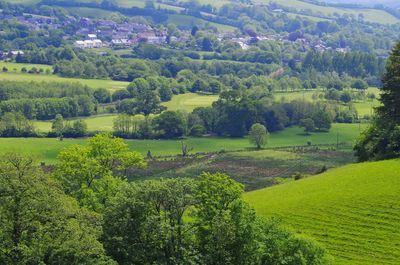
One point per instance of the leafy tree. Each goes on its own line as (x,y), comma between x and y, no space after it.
(199,85)
(102,95)
(145,223)
(359,84)
(170,124)
(345,97)
(77,129)
(165,93)
(258,135)
(40,224)
(57,126)
(322,120)
(226,225)
(308,124)
(207,44)
(16,125)
(381,140)
(86,172)
(120,95)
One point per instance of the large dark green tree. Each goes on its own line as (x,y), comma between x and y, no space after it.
(382,139)
(39,223)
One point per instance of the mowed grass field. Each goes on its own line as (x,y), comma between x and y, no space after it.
(46,149)
(189,101)
(14,74)
(354,211)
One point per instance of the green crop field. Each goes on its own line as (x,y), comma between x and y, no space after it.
(190,101)
(46,149)
(354,211)
(18,76)
(371,15)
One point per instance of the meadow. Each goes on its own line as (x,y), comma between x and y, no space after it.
(46,149)
(189,101)
(189,22)
(354,211)
(14,74)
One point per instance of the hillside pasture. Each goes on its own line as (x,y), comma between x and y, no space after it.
(189,22)
(93,83)
(370,15)
(354,211)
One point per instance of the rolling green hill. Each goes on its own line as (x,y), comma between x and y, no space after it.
(371,15)
(354,211)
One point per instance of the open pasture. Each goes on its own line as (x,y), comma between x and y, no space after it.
(47,149)
(188,22)
(190,101)
(354,211)
(370,15)
(93,83)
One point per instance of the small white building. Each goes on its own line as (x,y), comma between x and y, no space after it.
(92,36)
(79,44)
(88,44)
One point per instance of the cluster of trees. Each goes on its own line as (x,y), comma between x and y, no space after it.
(23,89)
(16,125)
(355,64)
(85,212)
(233,115)
(48,108)
(61,128)
(381,140)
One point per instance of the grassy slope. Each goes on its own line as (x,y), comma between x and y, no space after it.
(354,211)
(16,75)
(189,22)
(371,15)
(47,149)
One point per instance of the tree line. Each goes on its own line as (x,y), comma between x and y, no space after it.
(233,115)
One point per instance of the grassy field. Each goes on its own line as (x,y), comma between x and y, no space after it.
(93,83)
(16,67)
(371,15)
(46,149)
(190,101)
(354,211)
(189,22)
(91,12)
